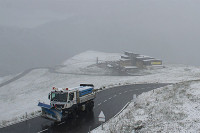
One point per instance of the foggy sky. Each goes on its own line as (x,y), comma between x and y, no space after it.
(37,33)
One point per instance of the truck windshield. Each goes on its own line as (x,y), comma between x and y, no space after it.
(58,96)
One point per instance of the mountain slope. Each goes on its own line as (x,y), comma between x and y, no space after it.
(36,85)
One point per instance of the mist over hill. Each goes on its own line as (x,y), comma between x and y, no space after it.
(45,33)
(22,49)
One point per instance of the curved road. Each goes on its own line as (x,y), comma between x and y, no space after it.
(110,101)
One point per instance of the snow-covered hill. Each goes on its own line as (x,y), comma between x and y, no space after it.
(22,95)
(81,63)
(171,109)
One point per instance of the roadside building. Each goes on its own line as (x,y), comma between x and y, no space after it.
(152,62)
(140,61)
(131,63)
(125,62)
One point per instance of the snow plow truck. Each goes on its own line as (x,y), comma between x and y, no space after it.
(67,102)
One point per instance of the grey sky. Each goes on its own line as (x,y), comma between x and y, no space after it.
(46,32)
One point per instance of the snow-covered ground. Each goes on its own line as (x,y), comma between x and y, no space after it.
(6,78)
(22,95)
(81,63)
(171,109)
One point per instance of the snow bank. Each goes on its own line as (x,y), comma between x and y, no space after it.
(174,108)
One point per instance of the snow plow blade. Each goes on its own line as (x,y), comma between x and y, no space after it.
(50,113)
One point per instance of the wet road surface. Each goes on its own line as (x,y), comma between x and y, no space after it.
(110,101)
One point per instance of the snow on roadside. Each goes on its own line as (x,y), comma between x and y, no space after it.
(22,95)
(18,97)
(174,109)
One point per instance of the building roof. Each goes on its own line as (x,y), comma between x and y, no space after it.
(152,60)
(143,56)
(125,59)
(130,67)
(124,55)
(128,52)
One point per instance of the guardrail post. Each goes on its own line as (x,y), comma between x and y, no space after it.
(134,97)
(102,125)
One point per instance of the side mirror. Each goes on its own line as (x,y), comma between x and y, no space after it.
(49,96)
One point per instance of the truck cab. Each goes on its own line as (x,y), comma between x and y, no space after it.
(62,98)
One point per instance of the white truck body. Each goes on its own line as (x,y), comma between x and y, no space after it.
(67,101)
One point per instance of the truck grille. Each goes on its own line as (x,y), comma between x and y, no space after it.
(59,106)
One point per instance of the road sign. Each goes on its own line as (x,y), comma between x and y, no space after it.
(102,117)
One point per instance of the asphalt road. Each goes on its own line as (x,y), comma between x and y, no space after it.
(110,101)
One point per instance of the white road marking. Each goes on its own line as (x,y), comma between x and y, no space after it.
(114,95)
(105,101)
(61,123)
(43,130)
(110,98)
(99,104)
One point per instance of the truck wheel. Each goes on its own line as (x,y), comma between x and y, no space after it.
(74,114)
(90,106)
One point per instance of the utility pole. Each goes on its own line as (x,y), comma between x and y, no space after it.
(97,61)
